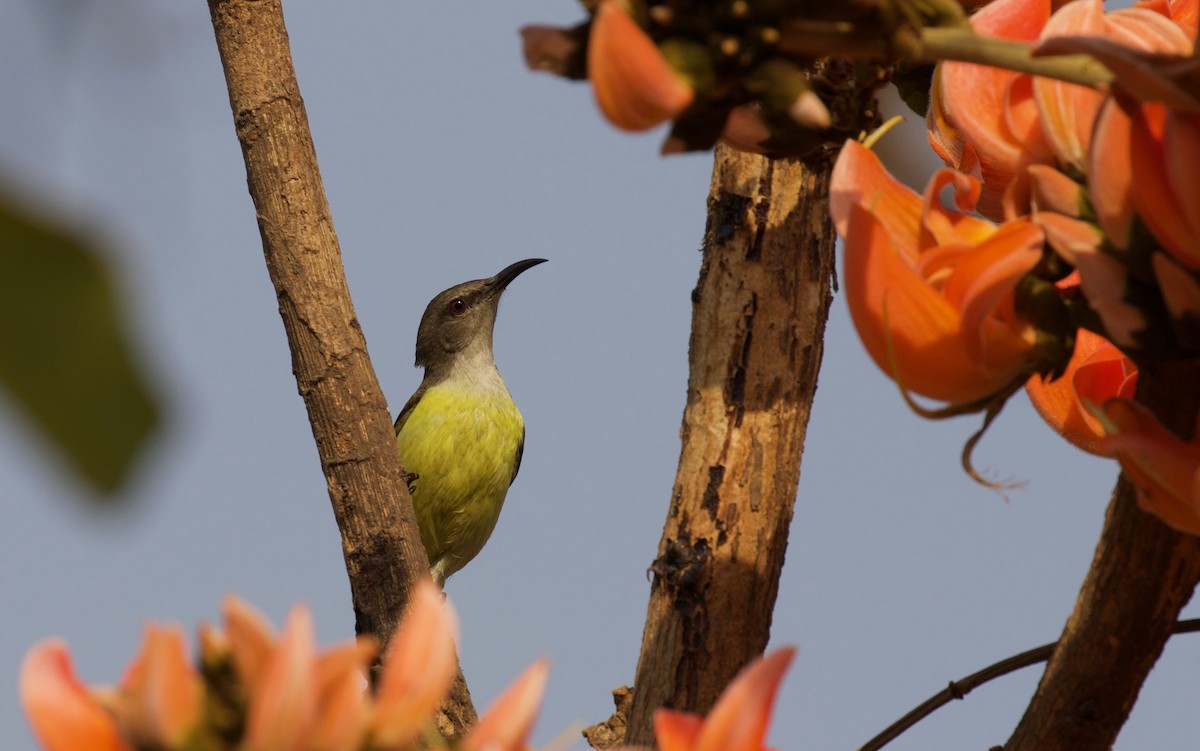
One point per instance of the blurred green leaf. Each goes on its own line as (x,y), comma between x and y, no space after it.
(65,358)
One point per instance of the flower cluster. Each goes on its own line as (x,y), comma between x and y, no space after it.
(1070,253)
(256,690)
(737,71)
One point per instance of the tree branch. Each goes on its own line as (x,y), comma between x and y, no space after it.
(759,314)
(347,410)
(960,688)
(1142,575)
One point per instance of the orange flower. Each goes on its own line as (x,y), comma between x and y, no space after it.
(64,716)
(989,114)
(1097,372)
(295,697)
(1006,121)
(160,699)
(417,671)
(635,87)
(928,286)
(738,721)
(1068,111)
(1152,64)
(507,723)
(1165,469)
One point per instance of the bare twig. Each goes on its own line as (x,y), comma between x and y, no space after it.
(960,688)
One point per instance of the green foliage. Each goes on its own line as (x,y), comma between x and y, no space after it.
(65,357)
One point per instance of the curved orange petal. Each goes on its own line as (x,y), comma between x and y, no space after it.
(1068,110)
(418,668)
(739,719)
(63,715)
(981,283)
(341,690)
(942,226)
(1110,172)
(165,694)
(250,637)
(634,85)
(283,706)
(1165,469)
(1180,290)
(507,722)
(1097,372)
(947,141)
(993,109)
(860,179)
(1156,199)
(922,328)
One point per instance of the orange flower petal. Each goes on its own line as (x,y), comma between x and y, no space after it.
(1180,290)
(739,720)
(283,706)
(418,668)
(981,282)
(341,689)
(63,715)
(1069,110)
(634,85)
(1165,469)
(676,731)
(1156,200)
(251,639)
(993,109)
(1110,173)
(164,695)
(860,179)
(1097,372)
(507,722)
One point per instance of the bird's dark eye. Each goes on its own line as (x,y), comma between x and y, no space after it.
(457,306)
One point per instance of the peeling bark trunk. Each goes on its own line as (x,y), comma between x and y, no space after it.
(759,313)
(1142,575)
(346,408)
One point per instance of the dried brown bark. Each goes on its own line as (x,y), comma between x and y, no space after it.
(759,313)
(1142,575)
(346,407)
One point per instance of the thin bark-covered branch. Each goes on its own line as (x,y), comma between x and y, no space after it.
(1142,575)
(346,407)
(958,690)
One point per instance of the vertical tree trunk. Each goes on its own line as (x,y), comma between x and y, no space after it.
(1142,575)
(349,416)
(759,312)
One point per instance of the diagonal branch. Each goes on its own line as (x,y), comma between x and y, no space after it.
(347,410)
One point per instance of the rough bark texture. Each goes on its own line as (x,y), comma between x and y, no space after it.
(347,409)
(1142,575)
(759,313)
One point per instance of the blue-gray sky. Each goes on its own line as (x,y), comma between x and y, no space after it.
(445,160)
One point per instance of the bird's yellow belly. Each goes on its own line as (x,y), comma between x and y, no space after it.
(463,446)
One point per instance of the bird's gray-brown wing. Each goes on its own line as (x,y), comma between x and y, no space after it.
(520,453)
(408,407)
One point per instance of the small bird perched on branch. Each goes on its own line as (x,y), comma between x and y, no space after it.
(460,435)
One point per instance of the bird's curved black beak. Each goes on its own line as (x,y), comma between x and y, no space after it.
(502,280)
